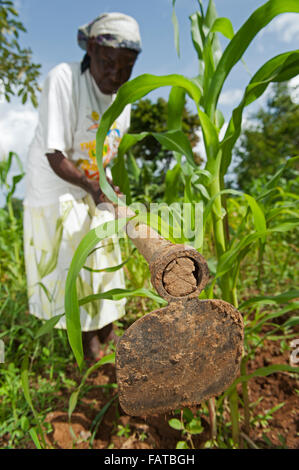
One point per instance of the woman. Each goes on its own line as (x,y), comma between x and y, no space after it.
(62,188)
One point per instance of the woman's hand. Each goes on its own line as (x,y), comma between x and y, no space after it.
(66,170)
(116,188)
(97,194)
(94,190)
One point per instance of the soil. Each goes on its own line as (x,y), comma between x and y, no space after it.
(119,431)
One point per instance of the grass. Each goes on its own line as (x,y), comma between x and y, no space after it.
(52,372)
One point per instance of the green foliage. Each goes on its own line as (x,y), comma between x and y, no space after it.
(206,186)
(153,117)
(190,425)
(269,141)
(246,237)
(152,158)
(18,74)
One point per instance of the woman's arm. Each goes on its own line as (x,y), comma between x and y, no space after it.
(66,170)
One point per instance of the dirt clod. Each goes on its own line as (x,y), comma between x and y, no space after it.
(179,277)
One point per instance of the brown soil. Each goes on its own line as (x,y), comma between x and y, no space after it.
(179,279)
(155,433)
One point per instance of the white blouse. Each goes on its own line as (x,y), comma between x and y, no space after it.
(70,110)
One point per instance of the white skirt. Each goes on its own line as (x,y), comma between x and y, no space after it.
(51,235)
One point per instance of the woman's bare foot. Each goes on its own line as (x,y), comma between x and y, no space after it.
(95,343)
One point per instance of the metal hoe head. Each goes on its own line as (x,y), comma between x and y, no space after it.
(182,354)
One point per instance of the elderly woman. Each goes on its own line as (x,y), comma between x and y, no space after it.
(62,189)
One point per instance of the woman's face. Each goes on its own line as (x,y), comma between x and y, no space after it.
(110,67)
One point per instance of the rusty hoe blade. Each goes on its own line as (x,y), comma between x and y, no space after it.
(182,354)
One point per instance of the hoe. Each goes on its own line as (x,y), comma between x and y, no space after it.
(186,352)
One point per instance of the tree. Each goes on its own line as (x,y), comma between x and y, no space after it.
(153,160)
(152,117)
(268,142)
(18,74)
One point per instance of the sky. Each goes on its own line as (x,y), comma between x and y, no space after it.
(52,36)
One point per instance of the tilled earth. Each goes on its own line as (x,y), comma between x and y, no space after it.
(155,433)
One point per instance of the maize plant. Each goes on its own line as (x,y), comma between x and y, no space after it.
(201,185)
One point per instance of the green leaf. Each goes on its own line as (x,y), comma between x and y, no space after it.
(279,68)
(223,26)
(267,318)
(98,419)
(34,437)
(210,136)
(176,424)
(129,140)
(177,141)
(195,426)
(262,372)
(197,35)
(109,359)
(176,29)
(71,299)
(129,93)
(73,402)
(188,415)
(172,183)
(174,140)
(294,321)
(24,421)
(182,445)
(258,214)
(211,14)
(25,382)
(48,326)
(274,299)
(132,166)
(117,294)
(240,42)
(110,269)
(24,98)
(176,103)
(120,176)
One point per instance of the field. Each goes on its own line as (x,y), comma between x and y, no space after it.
(97,420)
(246,229)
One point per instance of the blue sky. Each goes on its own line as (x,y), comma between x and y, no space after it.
(52,29)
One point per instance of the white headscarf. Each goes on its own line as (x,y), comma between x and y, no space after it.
(111,29)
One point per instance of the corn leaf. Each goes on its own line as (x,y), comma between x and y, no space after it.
(279,68)
(120,177)
(175,108)
(172,183)
(117,294)
(174,140)
(34,437)
(289,308)
(261,372)
(240,42)
(111,269)
(48,326)
(129,93)
(271,299)
(71,304)
(109,359)
(176,29)
(223,26)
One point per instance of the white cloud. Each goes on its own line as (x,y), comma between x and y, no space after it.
(17,126)
(286,26)
(293,84)
(230,97)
